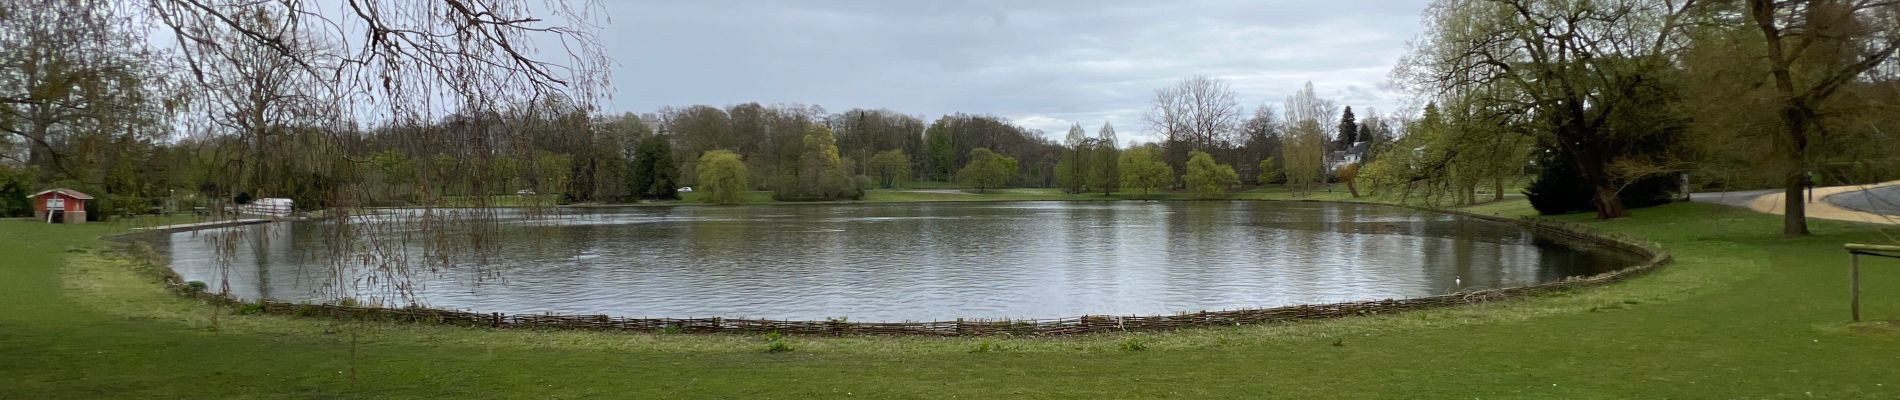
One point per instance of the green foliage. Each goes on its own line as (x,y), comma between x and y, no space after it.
(550,173)
(1348,129)
(778,346)
(1208,179)
(1133,343)
(654,175)
(889,167)
(1104,165)
(941,151)
(1077,156)
(722,175)
(15,185)
(986,170)
(1143,169)
(775,343)
(1066,173)
(821,175)
(1269,172)
(986,346)
(1304,150)
(1559,189)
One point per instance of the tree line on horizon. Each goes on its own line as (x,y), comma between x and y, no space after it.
(1605,105)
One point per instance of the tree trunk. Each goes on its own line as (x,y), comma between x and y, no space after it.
(1794,216)
(1609,206)
(1497,189)
(1795,115)
(1350,187)
(1794,211)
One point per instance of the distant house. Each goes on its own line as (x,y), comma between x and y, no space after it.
(60,206)
(1348,156)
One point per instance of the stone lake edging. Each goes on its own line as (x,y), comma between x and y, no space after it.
(1655,257)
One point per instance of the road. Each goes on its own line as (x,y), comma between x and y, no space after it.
(1883,200)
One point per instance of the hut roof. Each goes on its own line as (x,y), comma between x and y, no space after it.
(68,192)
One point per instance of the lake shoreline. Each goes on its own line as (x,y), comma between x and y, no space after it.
(1725,258)
(591,320)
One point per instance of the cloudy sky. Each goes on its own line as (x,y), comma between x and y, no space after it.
(1041,64)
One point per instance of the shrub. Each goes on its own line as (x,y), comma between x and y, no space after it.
(775,343)
(1134,344)
(15,184)
(1560,189)
(986,346)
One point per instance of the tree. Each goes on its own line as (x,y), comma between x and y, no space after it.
(889,167)
(1349,175)
(1813,50)
(1142,168)
(1572,66)
(951,138)
(1305,149)
(821,174)
(1073,170)
(1208,179)
(1268,171)
(1375,131)
(1195,113)
(722,176)
(986,170)
(941,153)
(1262,140)
(654,175)
(1104,171)
(80,100)
(1348,129)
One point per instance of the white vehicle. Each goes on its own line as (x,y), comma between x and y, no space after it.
(686,189)
(524,192)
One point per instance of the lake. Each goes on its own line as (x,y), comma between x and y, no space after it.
(887,262)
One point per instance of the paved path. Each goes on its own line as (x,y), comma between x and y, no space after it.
(1826,207)
(1883,200)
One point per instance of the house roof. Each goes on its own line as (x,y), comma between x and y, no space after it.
(68,192)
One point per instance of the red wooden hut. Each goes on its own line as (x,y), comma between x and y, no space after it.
(60,205)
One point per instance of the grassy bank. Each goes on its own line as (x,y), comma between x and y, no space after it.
(1742,313)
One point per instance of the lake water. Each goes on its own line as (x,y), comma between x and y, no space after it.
(892,262)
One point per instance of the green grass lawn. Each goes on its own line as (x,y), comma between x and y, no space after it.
(1743,313)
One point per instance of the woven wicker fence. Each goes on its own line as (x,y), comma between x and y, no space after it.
(974,327)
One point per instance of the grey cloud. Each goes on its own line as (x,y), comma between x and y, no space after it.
(1042,64)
